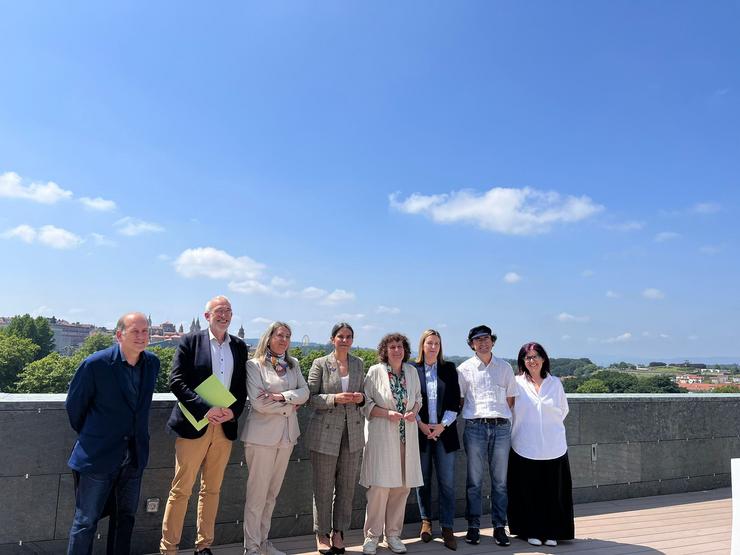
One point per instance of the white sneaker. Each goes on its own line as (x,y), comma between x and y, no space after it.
(370,545)
(267,548)
(395,544)
(551,543)
(534,541)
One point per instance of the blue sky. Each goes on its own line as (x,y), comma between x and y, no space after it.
(566,172)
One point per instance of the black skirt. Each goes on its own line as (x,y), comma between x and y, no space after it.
(540,498)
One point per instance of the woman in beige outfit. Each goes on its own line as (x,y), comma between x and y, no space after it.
(276,388)
(390,463)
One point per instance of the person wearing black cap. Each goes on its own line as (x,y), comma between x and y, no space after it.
(487,390)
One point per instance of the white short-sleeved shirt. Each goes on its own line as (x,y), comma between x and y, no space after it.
(538,431)
(485,387)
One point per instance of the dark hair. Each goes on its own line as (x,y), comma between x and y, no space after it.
(540,350)
(390,338)
(339,326)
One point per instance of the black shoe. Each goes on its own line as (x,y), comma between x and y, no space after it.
(205,551)
(500,537)
(473,536)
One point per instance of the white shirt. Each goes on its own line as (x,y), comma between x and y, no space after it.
(485,387)
(222,361)
(538,431)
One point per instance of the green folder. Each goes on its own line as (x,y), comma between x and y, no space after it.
(213,392)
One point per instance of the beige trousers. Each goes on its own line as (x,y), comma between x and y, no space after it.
(386,507)
(208,454)
(267,466)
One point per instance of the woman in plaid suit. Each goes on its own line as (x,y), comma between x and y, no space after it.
(336,438)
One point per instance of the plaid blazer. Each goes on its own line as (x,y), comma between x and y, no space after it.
(329,420)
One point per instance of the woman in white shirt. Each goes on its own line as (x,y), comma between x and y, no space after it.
(276,388)
(539,482)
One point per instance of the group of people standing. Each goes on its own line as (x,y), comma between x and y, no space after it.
(399,419)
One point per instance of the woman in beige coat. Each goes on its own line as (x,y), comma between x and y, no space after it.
(390,463)
(276,388)
(336,437)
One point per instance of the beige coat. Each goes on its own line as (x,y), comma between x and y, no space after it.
(267,420)
(329,419)
(381,460)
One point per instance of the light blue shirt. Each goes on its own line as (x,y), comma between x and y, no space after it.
(430,374)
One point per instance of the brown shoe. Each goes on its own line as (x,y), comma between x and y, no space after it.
(426,531)
(448,536)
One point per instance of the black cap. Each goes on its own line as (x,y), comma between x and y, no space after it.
(480,331)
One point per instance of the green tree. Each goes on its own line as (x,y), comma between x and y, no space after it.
(165,355)
(50,374)
(36,329)
(658,384)
(571,384)
(307,360)
(727,389)
(94,343)
(593,385)
(368,356)
(617,382)
(15,353)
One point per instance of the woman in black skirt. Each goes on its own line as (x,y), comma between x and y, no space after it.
(539,483)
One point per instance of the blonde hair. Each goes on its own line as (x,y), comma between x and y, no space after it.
(420,354)
(260,353)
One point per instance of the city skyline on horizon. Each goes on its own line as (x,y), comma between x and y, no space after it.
(564,174)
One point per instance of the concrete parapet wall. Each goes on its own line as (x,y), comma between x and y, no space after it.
(619,446)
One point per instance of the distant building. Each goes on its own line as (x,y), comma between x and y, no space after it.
(68,336)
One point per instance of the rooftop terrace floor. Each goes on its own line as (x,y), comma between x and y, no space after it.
(680,524)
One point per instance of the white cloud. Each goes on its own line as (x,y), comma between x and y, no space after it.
(502,210)
(666,236)
(710,249)
(98,204)
(216,264)
(101,240)
(163,257)
(11,186)
(313,293)
(133,226)
(664,336)
(346,316)
(43,310)
(49,235)
(588,273)
(369,327)
(653,294)
(245,275)
(693,337)
(620,338)
(566,317)
(565,337)
(338,296)
(630,225)
(706,208)
(261,320)
(280,282)
(24,232)
(512,277)
(58,238)
(612,294)
(387,310)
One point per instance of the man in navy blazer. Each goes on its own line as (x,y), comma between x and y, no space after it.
(108,406)
(212,352)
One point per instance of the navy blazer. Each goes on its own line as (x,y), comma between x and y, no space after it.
(448,398)
(190,366)
(106,413)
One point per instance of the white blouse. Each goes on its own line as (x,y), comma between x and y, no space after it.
(538,432)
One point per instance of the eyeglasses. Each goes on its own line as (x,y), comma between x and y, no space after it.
(532,358)
(221,311)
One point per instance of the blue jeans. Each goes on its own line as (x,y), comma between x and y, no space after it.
(91,496)
(445,464)
(486,443)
